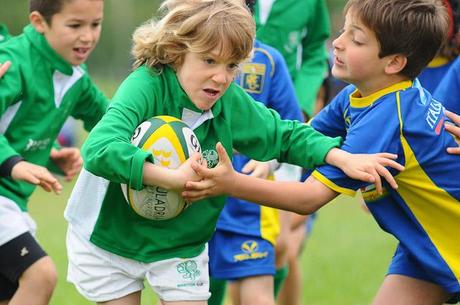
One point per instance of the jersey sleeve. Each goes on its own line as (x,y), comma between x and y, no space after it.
(260,134)
(108,151)
(334,119)
(378,131)
(10,99)
(448,90)
(91,106)
(282,97)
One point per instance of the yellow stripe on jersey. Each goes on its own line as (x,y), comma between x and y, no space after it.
(332,185)
(430,205)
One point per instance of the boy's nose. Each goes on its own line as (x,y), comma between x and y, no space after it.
(337,43)
(87,35)
(222,77)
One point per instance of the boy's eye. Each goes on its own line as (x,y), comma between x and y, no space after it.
(209,61)
(233,66)
(357,42)
(74,25)
(95,24)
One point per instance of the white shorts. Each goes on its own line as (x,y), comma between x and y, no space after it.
(13,221)
(102,276)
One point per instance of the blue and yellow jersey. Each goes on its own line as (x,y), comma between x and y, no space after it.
(266,78)
(448,90)
(424,212)
(432,75)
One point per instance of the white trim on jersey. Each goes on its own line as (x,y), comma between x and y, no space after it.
(62,83)
(8,116)
(85,202)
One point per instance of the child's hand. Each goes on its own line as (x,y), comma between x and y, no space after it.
(4,67)
(454,130)
(185,172)
(69,160)
(257,169)
(367,167)
(215,181)
(35,174)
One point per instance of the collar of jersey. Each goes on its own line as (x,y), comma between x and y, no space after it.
(41,45)
(180,95)
(357,101)
(438,61)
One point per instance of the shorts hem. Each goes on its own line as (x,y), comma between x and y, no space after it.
(103,298)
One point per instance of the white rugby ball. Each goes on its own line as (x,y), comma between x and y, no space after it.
(171,142)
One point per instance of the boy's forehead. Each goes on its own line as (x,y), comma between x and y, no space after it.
(353,19)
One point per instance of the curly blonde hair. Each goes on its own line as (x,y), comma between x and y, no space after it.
(198,26)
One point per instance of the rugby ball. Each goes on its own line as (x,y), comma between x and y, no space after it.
(171,142)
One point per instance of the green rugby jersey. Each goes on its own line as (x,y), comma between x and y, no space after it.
(302,41)
(37,94)
(97,209)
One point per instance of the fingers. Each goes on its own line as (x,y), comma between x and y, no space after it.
(454,150)
(195,191)
(4,67)
(248,167)
(198,185)
(385,173)
(200,169)
(223,157)
(48,182)
(387,159)
(454,117)
(453,130)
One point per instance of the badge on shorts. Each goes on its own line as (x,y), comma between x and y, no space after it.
(188,270)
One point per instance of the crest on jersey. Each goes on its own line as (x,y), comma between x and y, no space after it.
(253,77)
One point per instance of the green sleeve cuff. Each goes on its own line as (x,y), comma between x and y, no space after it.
(137,165)
(324,149)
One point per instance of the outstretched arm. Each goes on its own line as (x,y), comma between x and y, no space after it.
(302,198)
(454,130)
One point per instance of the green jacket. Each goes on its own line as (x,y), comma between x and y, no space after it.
(299,30)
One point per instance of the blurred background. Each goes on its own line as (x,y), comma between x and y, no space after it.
(345,259)
(110,61)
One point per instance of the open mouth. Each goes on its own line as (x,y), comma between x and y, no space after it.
(338,61)
(81,52)
(211,92)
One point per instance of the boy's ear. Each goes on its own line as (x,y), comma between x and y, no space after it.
(38,22)
(396,63)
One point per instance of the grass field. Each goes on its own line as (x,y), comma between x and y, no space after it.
(344,261)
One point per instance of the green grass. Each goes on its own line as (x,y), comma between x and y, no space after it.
(344,261)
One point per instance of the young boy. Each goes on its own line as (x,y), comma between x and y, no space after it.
(184,67)
(44,85)
(383,47)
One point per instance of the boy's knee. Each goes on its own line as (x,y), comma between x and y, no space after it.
(40,276)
